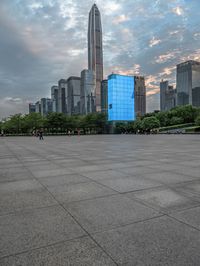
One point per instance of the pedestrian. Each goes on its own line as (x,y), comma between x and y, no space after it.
(41,135)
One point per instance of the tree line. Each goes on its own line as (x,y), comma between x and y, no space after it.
(59,123)
(54,123)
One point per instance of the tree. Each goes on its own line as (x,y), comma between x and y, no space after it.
(56,121)
(197,121)
(150,123)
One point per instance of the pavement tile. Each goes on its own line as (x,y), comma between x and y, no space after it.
(127,184)
(63,180)
(23,194)
(51,172)
(164,199)
(80,191)
(159,241)
(79,252)
(190,216)
(36,228)
(108,212)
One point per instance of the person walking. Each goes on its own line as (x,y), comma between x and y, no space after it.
(41,135)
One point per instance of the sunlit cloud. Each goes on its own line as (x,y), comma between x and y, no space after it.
(120,19)
(154,41)
(178,11)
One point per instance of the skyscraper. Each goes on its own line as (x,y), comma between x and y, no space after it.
(104,96)
(95,51)
(121,98)
(54,98)
(87,92)
(188,83)
(73,95)
(46,106)
(62,91)
(167,96)
(140,96)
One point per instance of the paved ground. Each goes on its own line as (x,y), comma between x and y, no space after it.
(100,200)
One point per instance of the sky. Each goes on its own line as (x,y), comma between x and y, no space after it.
(42,41)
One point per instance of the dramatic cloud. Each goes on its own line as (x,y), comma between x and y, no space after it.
(42,41)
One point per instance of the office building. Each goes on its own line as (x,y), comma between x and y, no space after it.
(104,96)
(87,94)
(62,96)
(95,51)
(140,96)
(31,108)
(121,98)
(38,107)
(188,83)
(73,95)
(46,106)
(167,96)
(54,98)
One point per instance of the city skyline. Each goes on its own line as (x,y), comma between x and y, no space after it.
(33,58)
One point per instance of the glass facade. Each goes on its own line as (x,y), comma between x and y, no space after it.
(87,104)
(121,98)
(95,51)
(104,96)
(188,83)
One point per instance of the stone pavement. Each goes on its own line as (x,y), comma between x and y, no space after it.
(100,200)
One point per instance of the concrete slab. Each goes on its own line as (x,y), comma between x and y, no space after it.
(164,199)
(80,191)
(36,228)
(108,212)
(160,241)
(77,252)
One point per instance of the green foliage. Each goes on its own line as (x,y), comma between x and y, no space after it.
(149,123)
(176,127)
(54,123)
(197,121)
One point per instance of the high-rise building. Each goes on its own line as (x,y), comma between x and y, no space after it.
(87,94)
(140,96)
(46,106)
(104,96)
(31,108)
(95,51)
(38,107)
(121,98)
(62,96)
(54,98)
(167,96)
(188,83)
(73,95)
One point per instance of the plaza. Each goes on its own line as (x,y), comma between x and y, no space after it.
(100,200)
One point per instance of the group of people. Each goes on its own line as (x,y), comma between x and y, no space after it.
(39,134)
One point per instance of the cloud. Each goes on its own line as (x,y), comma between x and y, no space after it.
(10,106)
(154,42)
(178,11)
(45,40)
(120,19)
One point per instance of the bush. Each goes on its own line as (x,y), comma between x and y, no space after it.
(197,121)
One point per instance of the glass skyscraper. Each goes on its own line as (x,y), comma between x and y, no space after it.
(188,83)
(87,104)
(121,98)
(140,96)
(104,96)
(73,95)
(95,51)
(167,96)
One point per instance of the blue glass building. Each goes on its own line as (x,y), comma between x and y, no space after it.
(120,98)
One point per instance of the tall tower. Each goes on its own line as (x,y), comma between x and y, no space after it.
(95,51)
